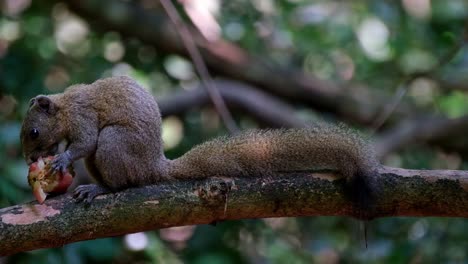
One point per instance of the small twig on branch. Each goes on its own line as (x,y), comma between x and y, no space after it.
(200,66)
(61,221)
(387,111)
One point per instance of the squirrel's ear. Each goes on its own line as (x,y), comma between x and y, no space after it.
(46,104)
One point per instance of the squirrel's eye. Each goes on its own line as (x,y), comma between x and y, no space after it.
(31,102)
(34,133)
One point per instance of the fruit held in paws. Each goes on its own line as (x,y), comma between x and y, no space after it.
(44,181)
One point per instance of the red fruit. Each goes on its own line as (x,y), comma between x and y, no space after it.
(65,180)
(44,183)
(39,192)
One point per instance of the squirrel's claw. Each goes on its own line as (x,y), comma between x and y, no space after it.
(61,162)
(88,192)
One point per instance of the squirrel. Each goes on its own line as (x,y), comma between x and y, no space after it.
(115,125)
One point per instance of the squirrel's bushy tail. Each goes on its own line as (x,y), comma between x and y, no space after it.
(266,152)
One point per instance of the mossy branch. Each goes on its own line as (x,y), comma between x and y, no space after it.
(61,221)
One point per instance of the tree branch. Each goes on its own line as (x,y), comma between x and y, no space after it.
(264,107)
(449,85)
(441,131)
(61,221)
(274,112)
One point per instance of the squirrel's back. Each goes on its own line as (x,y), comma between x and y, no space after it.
(116,100)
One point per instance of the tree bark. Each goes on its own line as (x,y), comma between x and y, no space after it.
(61,221)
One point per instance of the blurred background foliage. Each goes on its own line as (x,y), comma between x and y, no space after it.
(377,45)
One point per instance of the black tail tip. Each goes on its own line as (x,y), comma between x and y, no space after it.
(362,191)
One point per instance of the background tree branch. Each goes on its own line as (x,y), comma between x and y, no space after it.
(60,220)
(231,61)
(439,131)
(352,103)
(274,112)
(265,108)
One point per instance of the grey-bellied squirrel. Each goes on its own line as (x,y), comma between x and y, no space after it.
(115,125)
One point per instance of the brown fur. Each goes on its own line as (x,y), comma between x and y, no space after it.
(265,152)
(115,125)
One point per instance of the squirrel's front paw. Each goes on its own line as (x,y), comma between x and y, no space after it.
(61,162)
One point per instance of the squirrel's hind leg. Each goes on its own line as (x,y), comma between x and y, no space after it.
(88,192)
(111,165)
(122,157)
